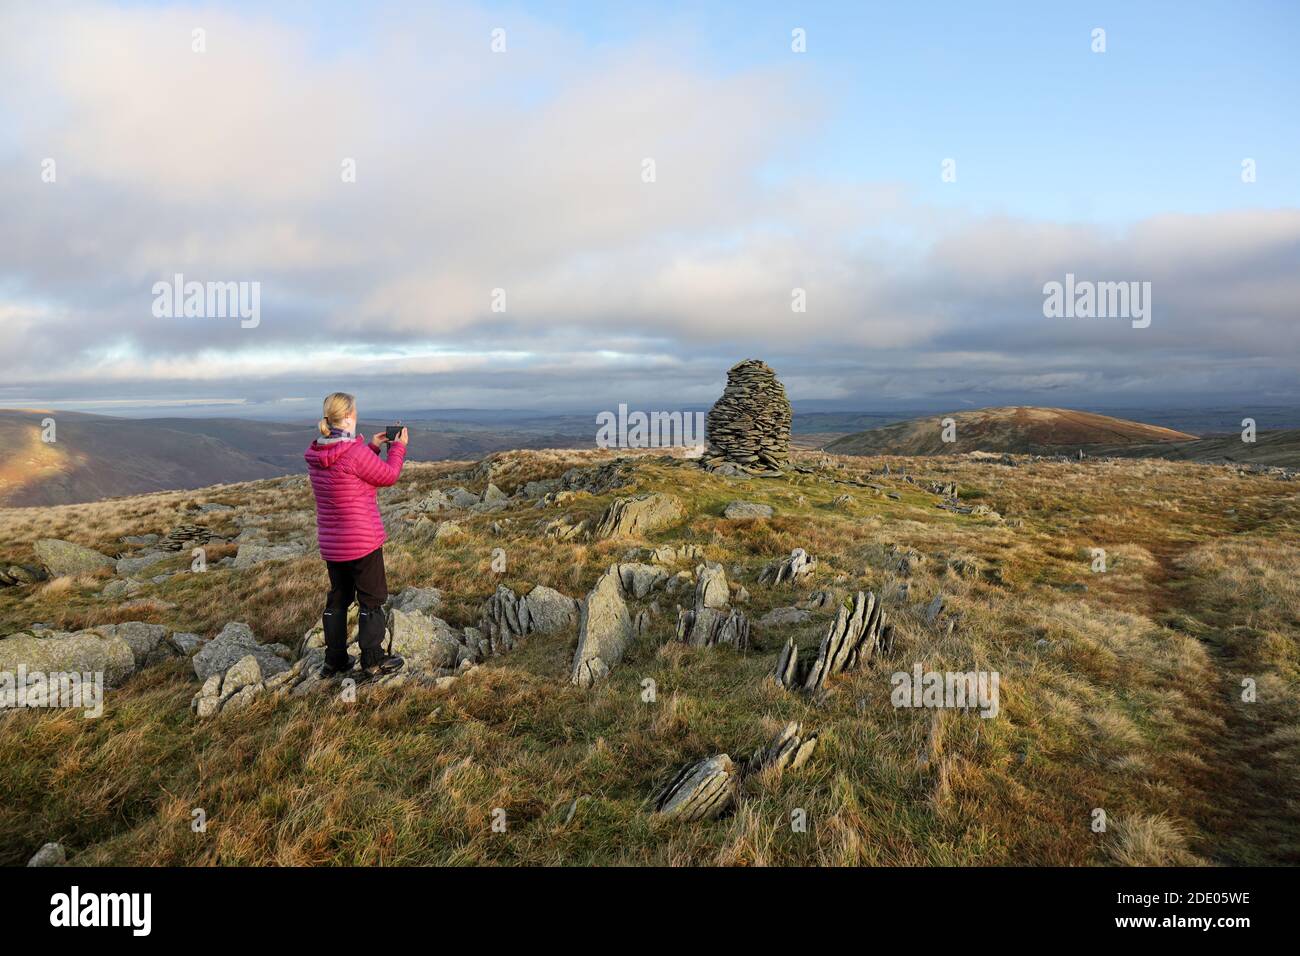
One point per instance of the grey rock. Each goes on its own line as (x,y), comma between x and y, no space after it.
(639,580)
(709,627)
(784,617)
(788,570)
(115,590)
(788,750)
(251,553)
(64,557)
(235,641)
(137,563)
(187,643)
(549,611)
(740,510)
(447,529)
(84,652)
(425,600)
(853,637)
(604,631)
(426,642)
(711,589)
(461,498)
(667,554)
(934,610)
(243,672)
(638,515)
(147,641)
(700,791)
(51,854)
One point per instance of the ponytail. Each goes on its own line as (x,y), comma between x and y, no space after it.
(337,406)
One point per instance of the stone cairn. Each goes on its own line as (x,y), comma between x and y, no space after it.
(748,428)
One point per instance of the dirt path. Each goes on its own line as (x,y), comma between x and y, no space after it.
(1240,811)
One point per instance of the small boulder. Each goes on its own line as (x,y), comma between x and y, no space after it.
(638,515)
(701,791)
(604,630)
(51,854)
(243,672)
(741,510)
(236,641)
(64,557)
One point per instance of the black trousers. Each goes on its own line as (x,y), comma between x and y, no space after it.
(361,580)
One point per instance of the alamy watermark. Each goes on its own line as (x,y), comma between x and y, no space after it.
(953,690)
(69,690)
(208,300)
(1085,299)
(649,430)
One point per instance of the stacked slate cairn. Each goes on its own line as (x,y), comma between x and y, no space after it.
(748,428)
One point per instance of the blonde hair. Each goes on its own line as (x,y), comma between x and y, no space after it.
(338,406)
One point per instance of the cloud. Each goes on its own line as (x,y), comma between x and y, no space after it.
(523,171)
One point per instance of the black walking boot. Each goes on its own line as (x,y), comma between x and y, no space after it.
(337,659)
(375,661)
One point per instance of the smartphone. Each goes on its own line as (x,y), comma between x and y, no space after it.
(392,431)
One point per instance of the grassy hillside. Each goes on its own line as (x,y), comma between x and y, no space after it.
(1019,429)
(101,456)
(1119,690)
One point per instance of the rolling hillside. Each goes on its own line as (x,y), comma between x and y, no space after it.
(1018,429)
(101,456)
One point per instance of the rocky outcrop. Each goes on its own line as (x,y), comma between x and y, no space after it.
(148,642)
(700,791)
(708,627)
(61,558)
(507,617)
(711,588)
(424,600)
(788,570)
(711,622)
(79,652)
(17,575)
(638,515)
(670,554)
(605,630)
(428,643)
(851,640)
(638,580)
(233,643)
(788,750)
(708,788)
(749,426)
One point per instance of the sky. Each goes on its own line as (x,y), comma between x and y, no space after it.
(618,202)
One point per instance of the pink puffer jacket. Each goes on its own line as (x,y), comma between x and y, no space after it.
(344,476)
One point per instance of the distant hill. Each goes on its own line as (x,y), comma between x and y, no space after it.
(1018,429)
(101,456)
(1279,448)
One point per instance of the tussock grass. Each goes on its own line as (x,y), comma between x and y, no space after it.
(1119,691)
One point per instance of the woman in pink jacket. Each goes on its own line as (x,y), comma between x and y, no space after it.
(345,471)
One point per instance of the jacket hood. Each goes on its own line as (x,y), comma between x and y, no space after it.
(323,455)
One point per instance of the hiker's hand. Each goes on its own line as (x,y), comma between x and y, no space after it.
(402,436)
(378,440)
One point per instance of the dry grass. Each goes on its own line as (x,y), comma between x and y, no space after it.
(1118,691)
